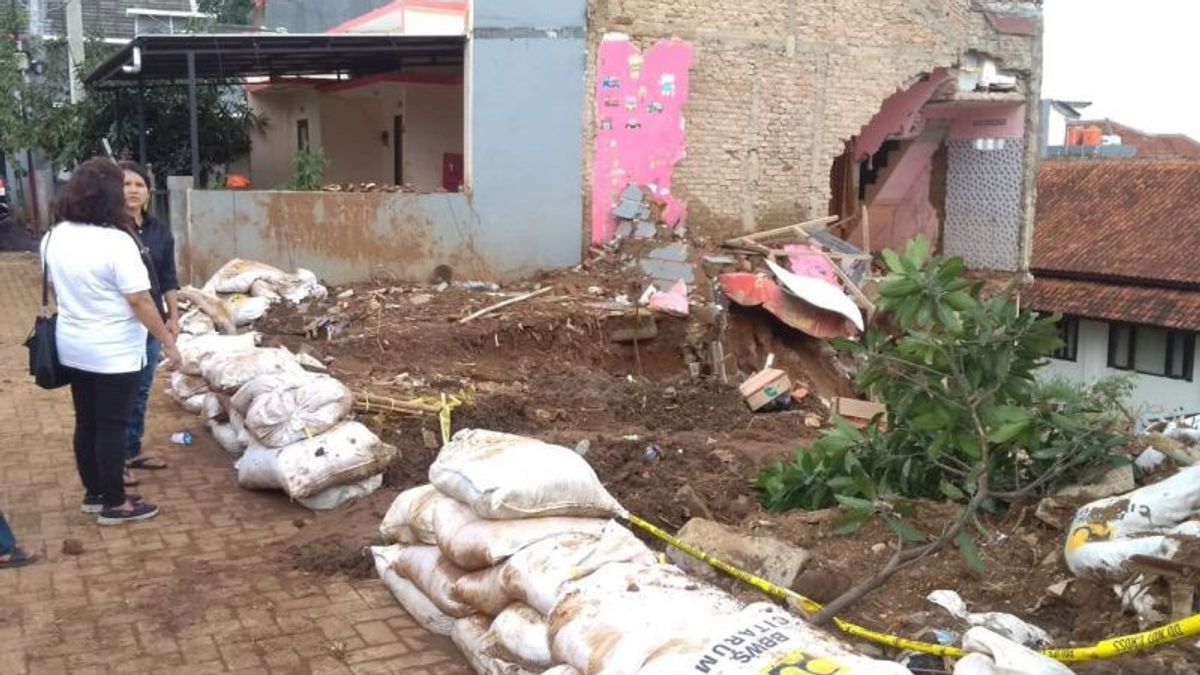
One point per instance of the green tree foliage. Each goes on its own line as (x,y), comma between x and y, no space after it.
(230,12)
(964,409)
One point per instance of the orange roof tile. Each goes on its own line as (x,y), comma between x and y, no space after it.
(1164,307)
(1131,220)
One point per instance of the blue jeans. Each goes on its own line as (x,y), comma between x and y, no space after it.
(8,541)
(137,420)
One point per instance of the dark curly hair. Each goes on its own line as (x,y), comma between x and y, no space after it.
(95,195)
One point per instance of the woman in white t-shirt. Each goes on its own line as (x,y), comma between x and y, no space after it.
(104,311)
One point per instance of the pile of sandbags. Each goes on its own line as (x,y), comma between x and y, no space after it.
(241,292)
(512,550)
(287,425)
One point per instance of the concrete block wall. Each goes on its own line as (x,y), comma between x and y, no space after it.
(779,86)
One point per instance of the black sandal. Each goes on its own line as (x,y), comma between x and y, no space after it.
(146,463)
(18,558)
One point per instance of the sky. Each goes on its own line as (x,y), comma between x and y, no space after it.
(1133,60)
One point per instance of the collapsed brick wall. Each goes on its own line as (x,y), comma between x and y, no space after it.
(779,86)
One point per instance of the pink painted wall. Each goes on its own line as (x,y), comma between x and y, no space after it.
(899,115)
(639,125)
(970,122)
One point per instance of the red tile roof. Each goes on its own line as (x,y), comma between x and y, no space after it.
(1168,308)
(1106,219)
(1118,240)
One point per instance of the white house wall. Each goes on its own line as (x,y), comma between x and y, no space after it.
(272,152)
(1152,395)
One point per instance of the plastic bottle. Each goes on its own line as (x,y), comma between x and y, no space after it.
(182,438)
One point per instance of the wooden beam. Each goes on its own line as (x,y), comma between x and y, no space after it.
(866,228)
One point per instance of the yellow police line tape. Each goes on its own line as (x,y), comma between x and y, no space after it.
(1104,649)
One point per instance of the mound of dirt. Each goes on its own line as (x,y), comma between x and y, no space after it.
(336,542)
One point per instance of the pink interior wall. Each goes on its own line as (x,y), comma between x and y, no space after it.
(970,122)
(900,115)
(639,125)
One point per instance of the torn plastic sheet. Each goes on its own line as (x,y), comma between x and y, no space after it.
(1007,625)
(818,292)
(674,301)
(755,290)
(992,654)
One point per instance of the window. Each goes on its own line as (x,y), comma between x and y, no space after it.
(1068,332)
(302,134)
(1151,350)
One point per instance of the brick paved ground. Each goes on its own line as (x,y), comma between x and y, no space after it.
(200,589)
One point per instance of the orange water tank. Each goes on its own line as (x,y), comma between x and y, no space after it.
(1075,135)
(1093,136)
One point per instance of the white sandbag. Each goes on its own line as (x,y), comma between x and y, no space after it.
(193,404)
(346,454)
(521,632)
(419,607)
(1106,533)
(339,495)
(473,543)
(245,309)
(212,408)
(484,590)
(195,350)
(311,405)
(213,307)
(195,322)
(262,384)
(504,476)
(613,620)
(184,386)
(227,371)
(1007,625)
(227,437)
(537,573)
(258,469)
(426,567)
(238,275)
(471,637)
(264,289)
(991,654)
(301,286)
(562,670)
(409,520)
(762,638)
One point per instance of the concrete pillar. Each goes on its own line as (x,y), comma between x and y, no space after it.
(180,221)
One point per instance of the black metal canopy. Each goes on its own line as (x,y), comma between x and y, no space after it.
(223,58)
(192,59)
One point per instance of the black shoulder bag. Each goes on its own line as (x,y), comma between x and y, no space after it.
(47,371)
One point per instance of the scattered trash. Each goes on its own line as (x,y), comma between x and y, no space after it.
(765,387)
(182,438)
(500,305)
(481,286)
(989,653)
(859,412)
(582,447)
(1149,460)
(652,453)
(673,302)
(1006,625)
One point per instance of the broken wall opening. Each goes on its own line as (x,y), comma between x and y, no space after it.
(942,159)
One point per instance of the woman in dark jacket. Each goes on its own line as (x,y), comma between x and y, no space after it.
(159,245)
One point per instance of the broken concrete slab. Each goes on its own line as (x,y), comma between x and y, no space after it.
(624,230)
(677,252)
(772,559)
(644,229)
(668,270)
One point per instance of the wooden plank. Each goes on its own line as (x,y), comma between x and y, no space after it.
(774,232)
(866,229)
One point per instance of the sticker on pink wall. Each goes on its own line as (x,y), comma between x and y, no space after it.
(640,136)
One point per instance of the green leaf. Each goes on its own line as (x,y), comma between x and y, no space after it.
(951,491)
(1008,431)
(959,301)
(854,503)
(906,531)
(892,260)
(969,553)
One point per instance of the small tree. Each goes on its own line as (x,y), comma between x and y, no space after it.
(966,418)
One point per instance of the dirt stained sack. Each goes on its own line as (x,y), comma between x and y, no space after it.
(484,590)
(195,350)
(502,476)
(346,454)
(409,520)
(245,310)
(537,573)
(426,567)
(471,637)
(762,638)
(188,391)
(613,620)
(334,497)
(301,406)
(238,276)
(520,632)
(418,606)
(474,543)
(228,371)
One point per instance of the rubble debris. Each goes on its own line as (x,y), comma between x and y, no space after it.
(633,328)
(818,293)
(756,289)
(1116,481)
(505,303)
(766,557)
(673,302)
(859,412)
(765,387)
(1007,625)
(989,653)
